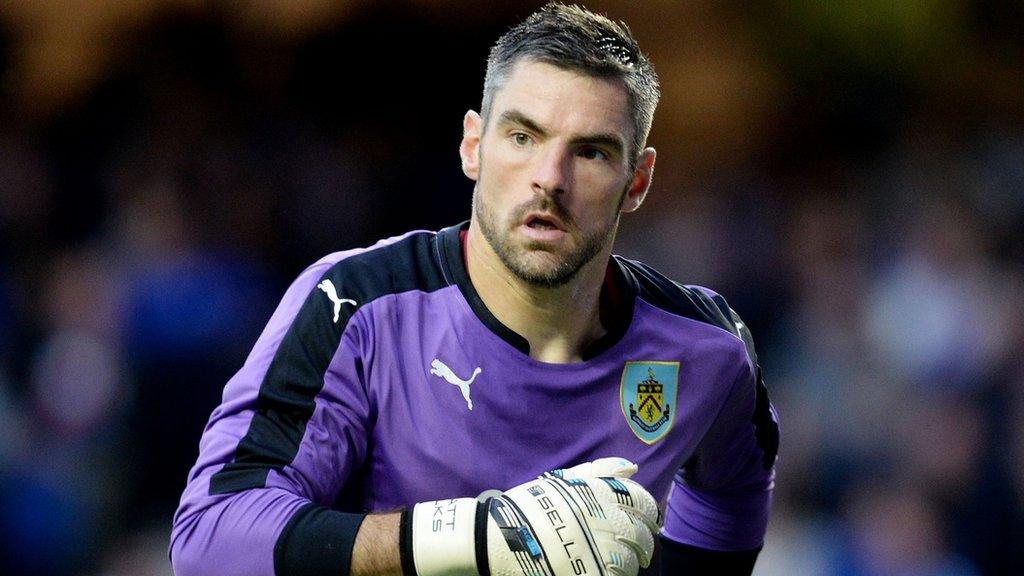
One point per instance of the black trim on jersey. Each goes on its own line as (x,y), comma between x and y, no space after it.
(616,317)
(766,431)
(452,253)
(691,303)
(316,541)
(653,287)
(616,323)
(296,374)
(677,558)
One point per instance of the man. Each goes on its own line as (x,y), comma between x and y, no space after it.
(395,383)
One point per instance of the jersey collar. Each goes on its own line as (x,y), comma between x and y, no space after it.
(618,295)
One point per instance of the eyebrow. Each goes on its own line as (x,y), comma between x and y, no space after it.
(603,139)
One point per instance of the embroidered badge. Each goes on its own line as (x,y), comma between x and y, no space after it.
(648,397)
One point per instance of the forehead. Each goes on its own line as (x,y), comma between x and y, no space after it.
(564,100)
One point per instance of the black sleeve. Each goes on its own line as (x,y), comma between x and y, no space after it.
(683,560)
(317,541)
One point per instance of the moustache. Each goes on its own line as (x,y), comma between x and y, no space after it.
(545,204)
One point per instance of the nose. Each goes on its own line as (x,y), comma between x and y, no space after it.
(553,171)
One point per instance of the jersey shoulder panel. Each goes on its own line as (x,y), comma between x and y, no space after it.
(391,266)
(693,302)
(307,341)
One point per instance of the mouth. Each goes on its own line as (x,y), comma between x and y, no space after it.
(538,221)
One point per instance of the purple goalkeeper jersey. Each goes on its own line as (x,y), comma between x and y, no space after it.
(382,380)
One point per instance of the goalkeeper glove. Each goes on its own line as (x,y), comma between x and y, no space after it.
(588,519)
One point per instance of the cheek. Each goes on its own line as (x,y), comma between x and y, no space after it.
(504,170)
(489,194)
(600,196)
(502,182)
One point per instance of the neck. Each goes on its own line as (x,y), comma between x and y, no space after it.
(558,322)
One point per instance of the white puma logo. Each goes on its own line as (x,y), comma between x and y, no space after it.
(438,368)
(328,287)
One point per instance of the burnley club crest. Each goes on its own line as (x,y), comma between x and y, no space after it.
(648,397)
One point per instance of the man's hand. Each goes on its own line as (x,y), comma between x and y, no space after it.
(588,519)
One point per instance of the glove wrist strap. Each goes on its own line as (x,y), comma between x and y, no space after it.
(443,538)
(405,543)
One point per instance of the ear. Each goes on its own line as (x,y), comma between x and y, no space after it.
(469,149)
(642,175)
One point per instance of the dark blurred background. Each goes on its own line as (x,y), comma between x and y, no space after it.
(849,174)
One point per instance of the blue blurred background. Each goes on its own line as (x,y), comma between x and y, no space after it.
(849,174)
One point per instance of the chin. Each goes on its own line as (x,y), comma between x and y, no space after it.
(543,270)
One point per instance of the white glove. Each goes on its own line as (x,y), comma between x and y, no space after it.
(588,519)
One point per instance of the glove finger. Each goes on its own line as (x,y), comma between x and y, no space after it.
(614,467)
(619,559)
(642,541)
(629,530)
(633,498)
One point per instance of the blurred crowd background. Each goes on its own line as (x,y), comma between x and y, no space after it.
(849,174)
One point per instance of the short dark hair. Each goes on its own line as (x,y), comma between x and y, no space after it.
(573,38)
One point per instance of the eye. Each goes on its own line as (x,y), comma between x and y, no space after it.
(520,138)
(593,154)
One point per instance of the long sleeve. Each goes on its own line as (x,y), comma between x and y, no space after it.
(721,498)
(275,454)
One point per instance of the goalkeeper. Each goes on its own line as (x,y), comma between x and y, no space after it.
(397,390)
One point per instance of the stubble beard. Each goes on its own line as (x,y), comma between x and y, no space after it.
(524,262)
